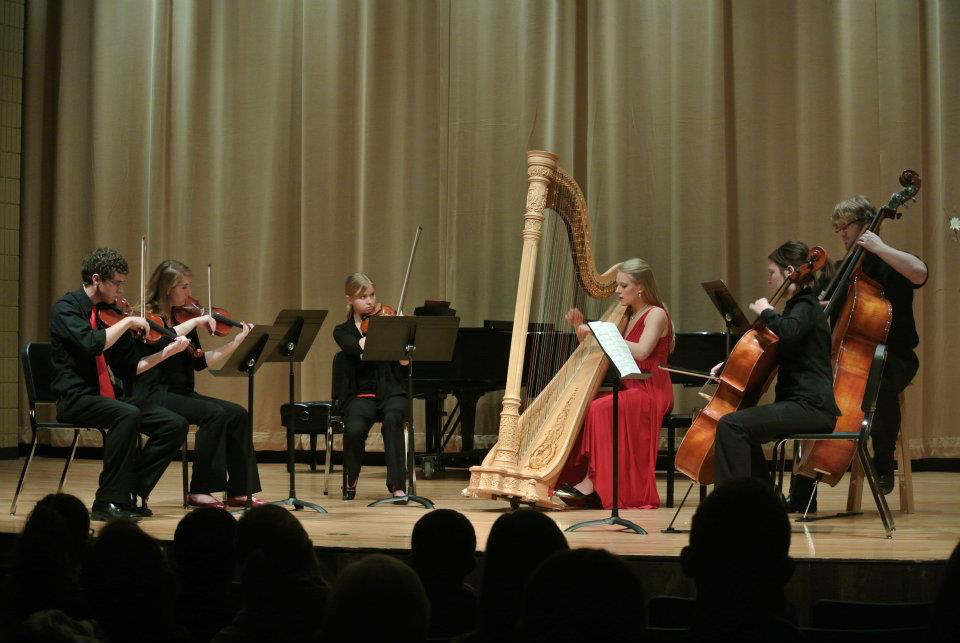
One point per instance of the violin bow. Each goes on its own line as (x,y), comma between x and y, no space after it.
(406,277)
(143,264)
(210,286)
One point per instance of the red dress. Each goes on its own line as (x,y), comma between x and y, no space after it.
(643,403)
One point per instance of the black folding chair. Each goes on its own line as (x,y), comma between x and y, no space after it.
(37,375)
(862,437)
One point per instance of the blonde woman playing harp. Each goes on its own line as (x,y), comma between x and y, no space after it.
(587,477)
(533,447)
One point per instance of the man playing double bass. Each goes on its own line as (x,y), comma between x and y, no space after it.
(899,273)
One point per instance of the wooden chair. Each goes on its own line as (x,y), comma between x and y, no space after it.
(904,473)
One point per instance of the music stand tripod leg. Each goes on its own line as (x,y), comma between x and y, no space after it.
(292,499)
(614,518)
(411,495)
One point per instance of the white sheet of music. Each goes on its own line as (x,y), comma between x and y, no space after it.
(613,344)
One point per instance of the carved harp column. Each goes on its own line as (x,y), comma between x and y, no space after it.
(532,448)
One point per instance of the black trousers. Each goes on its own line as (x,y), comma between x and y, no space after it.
(898,372)
(360,415)
(124,473)
(223,455)
(741,434)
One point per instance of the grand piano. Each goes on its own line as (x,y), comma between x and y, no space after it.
(479,366)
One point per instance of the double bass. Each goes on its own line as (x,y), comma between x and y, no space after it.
(745,377)
(863,323)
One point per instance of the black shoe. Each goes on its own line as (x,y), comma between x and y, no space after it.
(801,488)
(798,505)
(350,492)
(143,512)
(885,482)
(573,497)
(107,511)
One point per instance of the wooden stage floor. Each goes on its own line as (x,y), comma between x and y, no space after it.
(930,534)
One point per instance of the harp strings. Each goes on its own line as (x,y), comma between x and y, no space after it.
(558,289)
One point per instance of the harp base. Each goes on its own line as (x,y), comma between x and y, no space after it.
(512,486)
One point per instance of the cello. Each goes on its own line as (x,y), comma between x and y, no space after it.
(745,377)
(863,323)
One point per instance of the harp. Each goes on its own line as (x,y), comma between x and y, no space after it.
(532,447)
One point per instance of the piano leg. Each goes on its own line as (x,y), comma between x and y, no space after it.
(468,418)
(433,420)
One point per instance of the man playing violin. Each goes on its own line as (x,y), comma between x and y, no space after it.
(223,456)
(804,393)
(80,354)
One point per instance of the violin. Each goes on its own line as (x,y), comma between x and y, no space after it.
(382,310)
(193,309)
(746,374)
(121,308)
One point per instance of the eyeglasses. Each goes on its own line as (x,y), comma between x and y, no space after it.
(843,226)
(117,283)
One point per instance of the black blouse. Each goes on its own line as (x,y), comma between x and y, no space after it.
(383,379)
(806,374)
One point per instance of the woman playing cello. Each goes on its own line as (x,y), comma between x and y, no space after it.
(804,394)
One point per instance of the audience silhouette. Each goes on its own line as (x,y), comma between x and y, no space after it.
(130,588)
(281,586)
(607,600)
(738,557)
(49,555)
(946,618)
(377,598)
(518,542)
(204,558)
(442,552)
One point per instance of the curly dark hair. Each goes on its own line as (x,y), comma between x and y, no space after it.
(104,262)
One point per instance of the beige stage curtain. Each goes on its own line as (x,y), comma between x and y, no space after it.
(289,143)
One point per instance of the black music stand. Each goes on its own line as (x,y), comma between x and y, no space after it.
(391,339)
(624,368)
(733,317)
(245,360)
(301,329)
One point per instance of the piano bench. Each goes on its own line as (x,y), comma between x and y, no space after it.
(672,422)
(315,418)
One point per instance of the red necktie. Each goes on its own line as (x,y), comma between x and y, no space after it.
(106,386)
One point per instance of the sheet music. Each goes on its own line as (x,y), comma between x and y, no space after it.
(613,344)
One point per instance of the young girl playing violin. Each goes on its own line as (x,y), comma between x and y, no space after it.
(371,392)
(804,394)
(215,469)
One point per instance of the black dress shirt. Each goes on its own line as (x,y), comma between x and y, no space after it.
(75,346)
(806,374)
(899,291)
